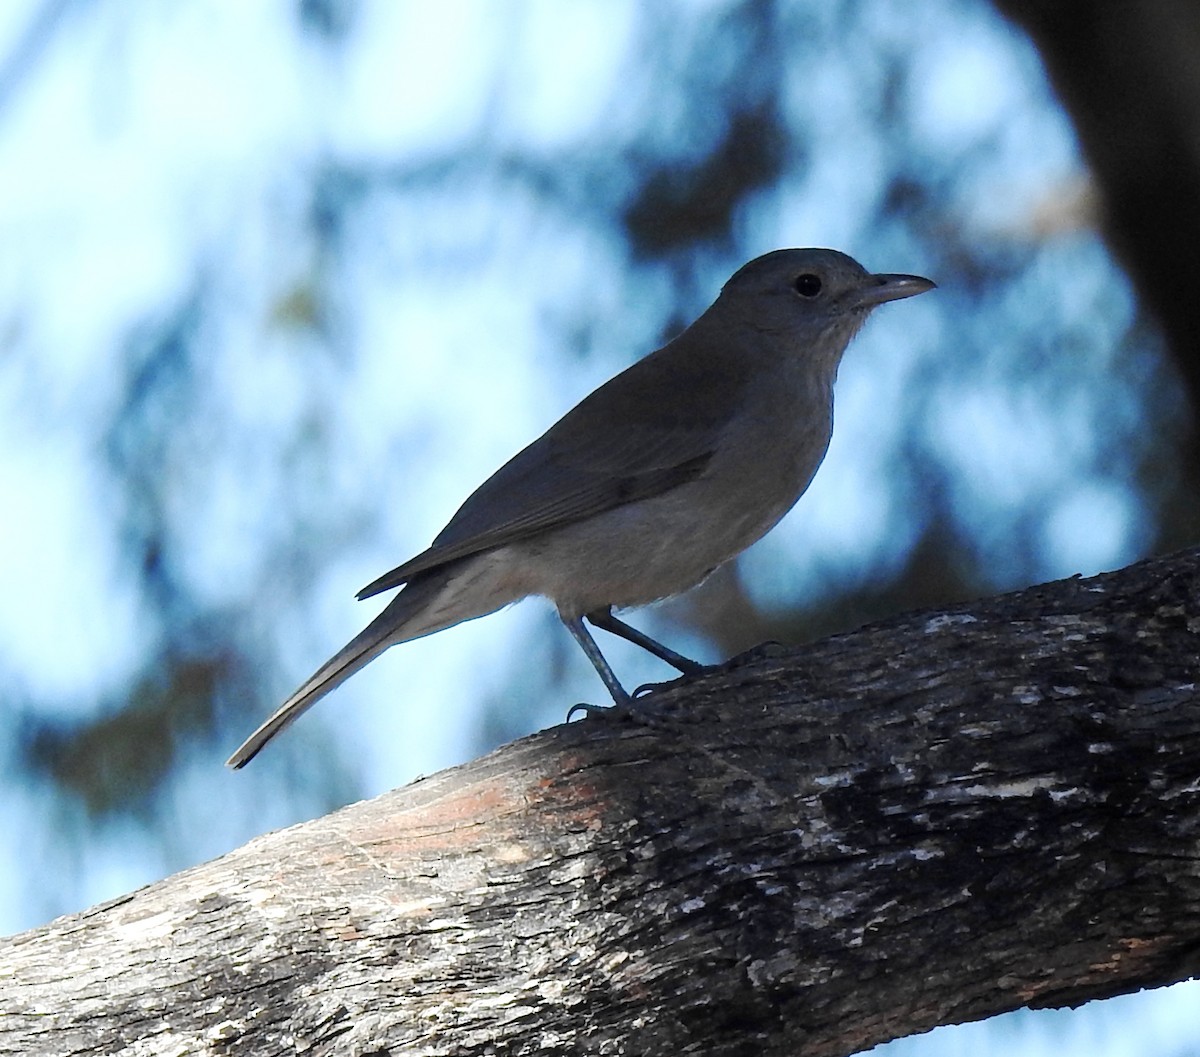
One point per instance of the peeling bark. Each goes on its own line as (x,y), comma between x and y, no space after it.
(926,821)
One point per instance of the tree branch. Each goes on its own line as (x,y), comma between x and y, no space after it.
(926,821)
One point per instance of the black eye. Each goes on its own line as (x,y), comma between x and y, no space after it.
(808,285)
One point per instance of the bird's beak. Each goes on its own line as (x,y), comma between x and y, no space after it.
(879,289)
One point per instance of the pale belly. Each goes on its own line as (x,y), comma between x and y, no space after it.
(649,550)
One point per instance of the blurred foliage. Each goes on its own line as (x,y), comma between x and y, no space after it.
(117,764)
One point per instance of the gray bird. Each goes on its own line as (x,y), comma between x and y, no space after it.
(662,474)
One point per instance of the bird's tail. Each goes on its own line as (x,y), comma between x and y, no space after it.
(395,624)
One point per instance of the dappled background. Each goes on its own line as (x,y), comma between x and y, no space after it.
(282,282)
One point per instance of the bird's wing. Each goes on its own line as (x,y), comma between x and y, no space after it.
(620,445)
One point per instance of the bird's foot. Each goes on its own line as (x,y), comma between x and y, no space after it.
(617,711)
(762,651)
(646,689)
(627,711)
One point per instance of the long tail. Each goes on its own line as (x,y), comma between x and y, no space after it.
(387,629)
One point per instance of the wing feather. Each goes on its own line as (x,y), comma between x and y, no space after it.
(631,439)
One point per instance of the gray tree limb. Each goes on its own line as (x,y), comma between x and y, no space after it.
(926,821)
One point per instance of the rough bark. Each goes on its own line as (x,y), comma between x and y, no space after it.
(926,821)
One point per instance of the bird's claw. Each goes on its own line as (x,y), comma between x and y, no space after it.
(613,711)
(651,688)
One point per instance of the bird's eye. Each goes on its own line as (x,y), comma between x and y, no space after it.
(808,285)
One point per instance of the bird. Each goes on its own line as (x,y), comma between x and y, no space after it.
(650,483)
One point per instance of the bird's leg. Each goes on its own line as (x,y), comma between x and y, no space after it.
(604,619)
(581,635)
(622,707)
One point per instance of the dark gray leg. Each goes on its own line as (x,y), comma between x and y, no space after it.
(605,621)
(588,645)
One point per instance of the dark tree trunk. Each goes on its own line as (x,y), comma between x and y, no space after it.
(930,820)
(1129,76)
